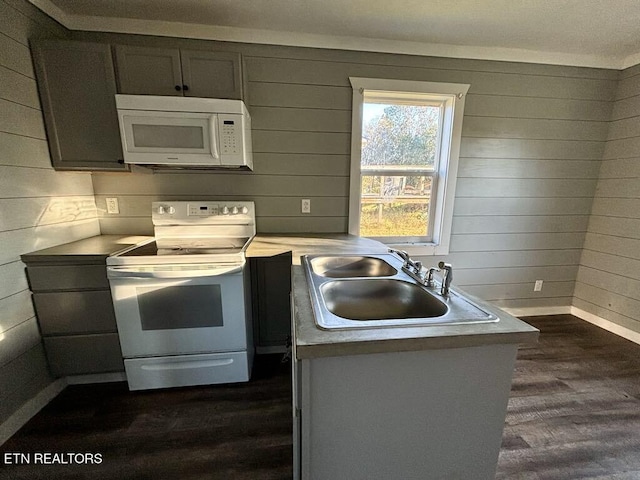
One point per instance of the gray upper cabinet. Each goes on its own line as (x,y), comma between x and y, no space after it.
(76,82)
(167,71)
(211,74)
(148,70)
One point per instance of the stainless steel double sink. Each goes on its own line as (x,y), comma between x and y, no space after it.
(372,291)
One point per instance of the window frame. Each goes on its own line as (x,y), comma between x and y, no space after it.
(453,95)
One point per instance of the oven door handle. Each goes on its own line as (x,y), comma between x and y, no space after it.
(126,272)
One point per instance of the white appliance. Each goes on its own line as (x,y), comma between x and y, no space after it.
(185,131)
(182,301)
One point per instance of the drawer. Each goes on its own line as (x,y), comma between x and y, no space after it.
(75,312)
(83,354)
(183,370)
(67,277)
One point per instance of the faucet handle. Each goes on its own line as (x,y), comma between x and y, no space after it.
(429,276)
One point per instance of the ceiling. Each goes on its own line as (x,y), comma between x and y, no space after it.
(597,33)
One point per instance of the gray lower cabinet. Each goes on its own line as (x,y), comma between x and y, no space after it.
(75,313)
(271,287)
(172,71)
(84,354)
(77,84)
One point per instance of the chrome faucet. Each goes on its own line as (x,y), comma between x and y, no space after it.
(447,277)
(409,264)
(411,267)
(414,269)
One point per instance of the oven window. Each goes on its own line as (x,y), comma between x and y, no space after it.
(194,306)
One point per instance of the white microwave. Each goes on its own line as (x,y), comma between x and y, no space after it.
(185,131)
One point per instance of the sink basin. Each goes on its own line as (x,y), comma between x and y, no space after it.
(353,266)
(373,291)
(380,299)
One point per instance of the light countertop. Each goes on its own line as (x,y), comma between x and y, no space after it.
(266,245)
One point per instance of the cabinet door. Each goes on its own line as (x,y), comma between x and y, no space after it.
(148,70)
(84,354)
(271,305)
(68,313)
(77,85)
(211,74)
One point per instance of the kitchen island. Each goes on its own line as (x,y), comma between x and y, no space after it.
(424,402)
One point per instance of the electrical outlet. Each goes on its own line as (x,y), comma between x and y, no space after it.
(112,205)
(538,286)
(306,205)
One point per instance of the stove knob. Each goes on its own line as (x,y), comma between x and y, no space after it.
(234,211)
(162,209)
(225,210)
(245,210)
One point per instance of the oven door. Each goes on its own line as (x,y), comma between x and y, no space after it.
(179,309)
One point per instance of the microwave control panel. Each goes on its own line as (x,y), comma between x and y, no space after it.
(230,128)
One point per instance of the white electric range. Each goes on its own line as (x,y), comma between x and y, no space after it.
(182,300)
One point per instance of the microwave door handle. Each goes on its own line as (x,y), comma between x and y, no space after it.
(213,136)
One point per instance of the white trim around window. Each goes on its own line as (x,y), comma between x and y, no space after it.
(453,95)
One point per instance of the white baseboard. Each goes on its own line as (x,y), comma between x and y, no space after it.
(96,378)
(608,325)
(581,314)
(535,311)
(25,413)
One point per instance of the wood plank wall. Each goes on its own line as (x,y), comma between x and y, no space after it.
(533,139)
(608,281)
(39,207)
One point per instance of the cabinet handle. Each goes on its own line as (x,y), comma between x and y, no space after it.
(185,87)
(178,88)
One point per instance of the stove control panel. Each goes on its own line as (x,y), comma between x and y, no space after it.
(202,212)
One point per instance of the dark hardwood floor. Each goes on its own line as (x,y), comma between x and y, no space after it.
(235,431)
(574,413)
(574,409)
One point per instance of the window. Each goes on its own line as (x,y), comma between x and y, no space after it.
(404,159)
